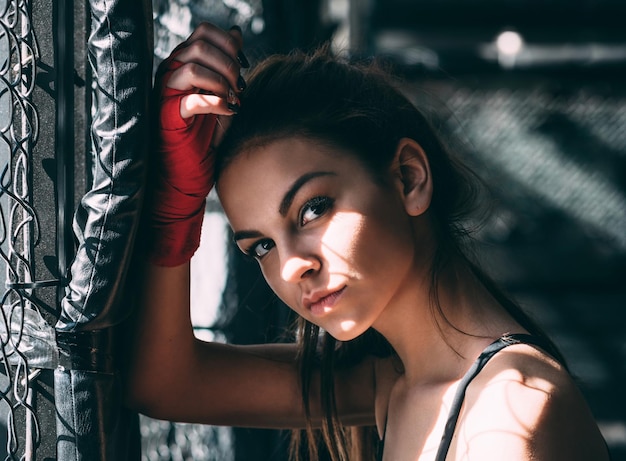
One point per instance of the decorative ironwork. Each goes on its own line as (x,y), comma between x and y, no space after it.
(19,224)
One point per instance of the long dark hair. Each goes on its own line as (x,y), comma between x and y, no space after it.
(356,107)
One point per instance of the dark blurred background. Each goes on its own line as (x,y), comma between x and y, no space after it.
(532,95)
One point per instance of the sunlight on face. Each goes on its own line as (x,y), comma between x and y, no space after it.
(340,239)
(347,325)
(333,244)
(339,244)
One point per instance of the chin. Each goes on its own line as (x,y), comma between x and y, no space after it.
(347,331)
(343,337)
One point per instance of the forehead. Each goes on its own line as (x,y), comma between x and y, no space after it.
(264,173)
(282,159)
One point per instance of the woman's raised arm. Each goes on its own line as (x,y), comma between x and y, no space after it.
(173,375)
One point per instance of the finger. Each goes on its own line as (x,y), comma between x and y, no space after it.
(237,33)
(198,103)
(206,55)
(195,78)
(218,37)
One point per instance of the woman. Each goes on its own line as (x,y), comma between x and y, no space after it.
(344,195)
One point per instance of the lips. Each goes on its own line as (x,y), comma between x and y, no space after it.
(321,302)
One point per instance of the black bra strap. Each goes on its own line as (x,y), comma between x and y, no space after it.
(478,365)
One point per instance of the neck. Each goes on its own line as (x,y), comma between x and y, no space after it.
(438,338)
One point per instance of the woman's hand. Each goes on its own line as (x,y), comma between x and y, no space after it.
(203,72)
(197,91)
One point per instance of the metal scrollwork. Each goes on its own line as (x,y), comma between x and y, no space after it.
(19,225)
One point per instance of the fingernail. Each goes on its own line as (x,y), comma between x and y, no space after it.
(237,28)
(232,98)
(233,107)
(242,60)
(241,83)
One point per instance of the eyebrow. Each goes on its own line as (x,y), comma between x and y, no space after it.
(296,186)
(245,234)
(286,202)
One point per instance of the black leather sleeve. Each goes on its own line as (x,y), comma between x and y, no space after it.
(92,423)
(107,218)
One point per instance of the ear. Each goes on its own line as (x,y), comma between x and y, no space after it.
(411,175)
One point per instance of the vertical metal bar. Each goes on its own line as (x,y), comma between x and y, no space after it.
(64,64)
(31,425)
(26,177)
(28,251)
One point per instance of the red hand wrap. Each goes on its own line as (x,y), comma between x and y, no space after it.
(183,177)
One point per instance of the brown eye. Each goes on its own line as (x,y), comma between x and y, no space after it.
(260,248)
(315,208)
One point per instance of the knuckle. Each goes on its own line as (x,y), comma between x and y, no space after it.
(205,26)
(231,67)
(222,83)
(198,47)
(190,70)
(231,43)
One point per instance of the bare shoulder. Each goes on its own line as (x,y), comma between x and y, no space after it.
(525,405)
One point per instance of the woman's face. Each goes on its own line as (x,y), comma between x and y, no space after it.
(334,245)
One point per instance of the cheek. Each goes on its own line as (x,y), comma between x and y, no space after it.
(359,246)
(343,235)
(384,242)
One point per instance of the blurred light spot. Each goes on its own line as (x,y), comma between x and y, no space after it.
(614,432)
(177,19)
(244,10)
(509,43)
(402,45)
(347,325)
(257,25)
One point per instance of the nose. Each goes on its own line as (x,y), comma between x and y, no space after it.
(295,267)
